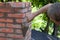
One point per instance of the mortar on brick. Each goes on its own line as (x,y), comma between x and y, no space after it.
(13,21)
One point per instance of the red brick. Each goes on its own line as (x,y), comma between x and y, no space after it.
(13,26)
(3,38)
(2,4)
(17,4)
(10,28)
(16,15)
(28,4)
(18,31)
(5,10)
(2,25)
(21,10)
(9,20)
(6,30)
(8,5)
(2,34)
(6,20)
(19,20)
(29,9)
(15,36)
(1,15)
(2,20)
(20,39)
(9,39)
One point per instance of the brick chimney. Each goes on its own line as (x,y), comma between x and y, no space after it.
(13,21)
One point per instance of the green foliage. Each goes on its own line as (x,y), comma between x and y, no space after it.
(38,22)
(37,3)
(41,20)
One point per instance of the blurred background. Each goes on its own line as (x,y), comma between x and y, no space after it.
(41,20)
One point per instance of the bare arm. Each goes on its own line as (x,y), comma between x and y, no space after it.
(41,10)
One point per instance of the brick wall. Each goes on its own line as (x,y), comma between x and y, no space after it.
(13,22)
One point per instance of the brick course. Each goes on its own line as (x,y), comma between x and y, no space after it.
(13,21)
